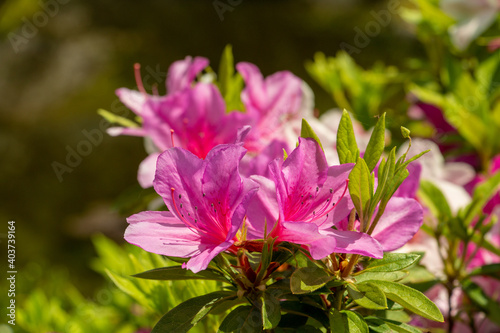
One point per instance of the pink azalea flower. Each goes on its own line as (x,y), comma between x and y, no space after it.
(270,104)
(303,201)
(402,218)
(207,201)
(195,112)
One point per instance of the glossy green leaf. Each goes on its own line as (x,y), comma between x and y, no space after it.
(230,83)
(419,278)
(179,273)
(185,315)
(226,69)
(492,270)
(359,185)
(391,262)
(270,311)
(308,279)
(377,325)
(385,276)
(306,131)
(385,173)
(367,295)
(243,319)
(347,322)
(410,299)
(376,144)
(380,325)
(347,147)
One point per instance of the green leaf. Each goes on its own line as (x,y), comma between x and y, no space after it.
(434,199)
(359,186)
(367,295)
(301,329)
(285,155)
(419,278)
(271,311)
(230,83)
(376,144)
(385,172)
(396,313)
(306,131)
(385,276)
(483,301)
(347,322)
(244,318)
(179,273)
(481,196)
(226,69)
(391,262)
(291,321)
(115,119)
(410,299)
(347,147)
(468,124)
(492,270)
(304,309)
(377,325)
(416,157)
(428,95)
(308,279)
(185,315)
(382,324)
(487,245)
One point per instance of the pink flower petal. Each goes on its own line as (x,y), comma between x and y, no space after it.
(399,223)
(182,72)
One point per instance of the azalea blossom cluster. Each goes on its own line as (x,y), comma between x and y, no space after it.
(193,114)
(226,184)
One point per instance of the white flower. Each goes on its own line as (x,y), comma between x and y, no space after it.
(473,18)
(449,177)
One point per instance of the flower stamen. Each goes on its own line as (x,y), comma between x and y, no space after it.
(138,78)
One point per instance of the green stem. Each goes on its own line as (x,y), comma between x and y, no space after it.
(339,297)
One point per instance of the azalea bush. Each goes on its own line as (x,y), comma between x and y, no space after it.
(251,200)
(312,221)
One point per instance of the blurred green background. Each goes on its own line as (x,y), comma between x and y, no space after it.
(62,60)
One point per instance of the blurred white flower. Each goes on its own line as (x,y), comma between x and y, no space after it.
(473,18)
(449,177)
